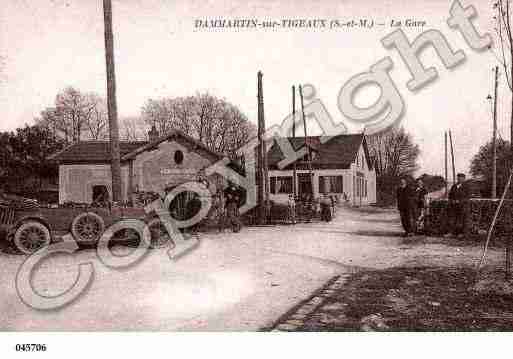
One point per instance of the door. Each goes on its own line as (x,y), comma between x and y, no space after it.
(304,184)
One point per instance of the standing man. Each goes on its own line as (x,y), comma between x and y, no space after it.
(219,210)
(420,204)
(232,196)
(326,205)
(404,205)
(459,196)
(291,209)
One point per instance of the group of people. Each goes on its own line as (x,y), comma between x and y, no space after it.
(226,208)
(310,207)
(412,205)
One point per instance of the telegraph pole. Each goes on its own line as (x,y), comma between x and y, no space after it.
(294,170)
(452,158)
(115,165)
(306,137)
(445,152)
(263,190)
(494,139)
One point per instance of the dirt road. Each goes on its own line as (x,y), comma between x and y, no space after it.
(241,281)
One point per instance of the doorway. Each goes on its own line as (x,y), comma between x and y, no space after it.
(304,185)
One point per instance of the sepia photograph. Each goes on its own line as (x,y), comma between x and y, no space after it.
(265,166)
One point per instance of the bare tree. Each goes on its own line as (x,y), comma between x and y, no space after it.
(72,106)
(502,18)
(395,156)
(221,126)
(132,129)
(95,117)
(394,153)
(76,116)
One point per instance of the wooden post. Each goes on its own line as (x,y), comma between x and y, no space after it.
(130,191)
(263,190)
(508,258)
(446,179)
(309,163)
(115,165)
(294,170)
(452,159)
(494,137)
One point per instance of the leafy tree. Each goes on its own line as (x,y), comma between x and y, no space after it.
(23,158)
(481,165)
(432,183)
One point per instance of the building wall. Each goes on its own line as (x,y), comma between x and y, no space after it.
(358,169)
(76,182)
(367,177)
(283,197)
(153,171)
(157,170)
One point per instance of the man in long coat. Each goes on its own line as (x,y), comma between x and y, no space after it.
(405,206)
(459,206)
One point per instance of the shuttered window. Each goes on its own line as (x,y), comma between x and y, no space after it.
(331,184)
(282,184)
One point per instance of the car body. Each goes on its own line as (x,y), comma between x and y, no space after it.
(86,223)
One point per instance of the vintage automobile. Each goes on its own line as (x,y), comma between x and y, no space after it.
(30,226)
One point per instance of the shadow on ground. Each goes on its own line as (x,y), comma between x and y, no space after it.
(414,299)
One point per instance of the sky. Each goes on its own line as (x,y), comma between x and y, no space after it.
(47,45)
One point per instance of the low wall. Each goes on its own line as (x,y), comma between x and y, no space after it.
(480,212)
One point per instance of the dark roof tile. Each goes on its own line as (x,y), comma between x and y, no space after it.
(93,151)
(339,151)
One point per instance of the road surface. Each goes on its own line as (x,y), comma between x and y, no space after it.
(231,282)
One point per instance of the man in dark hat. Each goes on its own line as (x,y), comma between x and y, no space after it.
(420,205)
(405,206)
(458,208)
(232,195)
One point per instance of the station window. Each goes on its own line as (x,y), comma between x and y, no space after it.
(178,157)
(281,185)
(331,184)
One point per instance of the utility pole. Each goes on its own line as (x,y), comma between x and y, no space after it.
(452,159)
(446,179)
(115,166)
(294,169)
(263,190)
(309,163)
(494,139)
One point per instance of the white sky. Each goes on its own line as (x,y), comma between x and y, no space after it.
(47,45)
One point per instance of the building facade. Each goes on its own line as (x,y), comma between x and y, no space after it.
(340,166)
(156,166)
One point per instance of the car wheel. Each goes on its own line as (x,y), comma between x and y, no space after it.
(87,227)
(159,236)
(31,236)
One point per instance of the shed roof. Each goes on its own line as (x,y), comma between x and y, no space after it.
(93,151)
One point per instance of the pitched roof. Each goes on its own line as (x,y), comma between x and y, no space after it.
(92,151)
(332,152)
(174,135)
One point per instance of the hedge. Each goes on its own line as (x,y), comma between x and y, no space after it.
(481,212)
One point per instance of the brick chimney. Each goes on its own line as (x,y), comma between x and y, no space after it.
(153,134)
